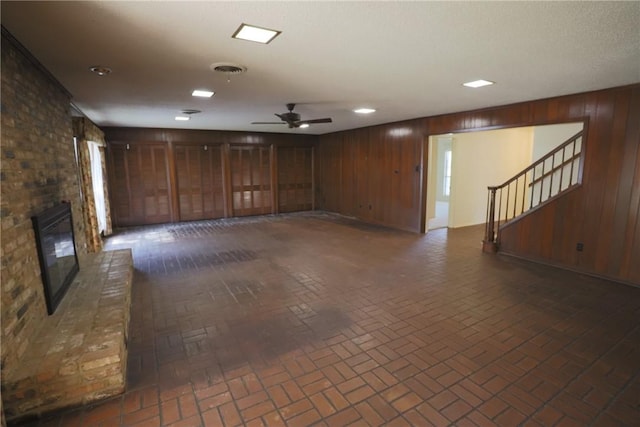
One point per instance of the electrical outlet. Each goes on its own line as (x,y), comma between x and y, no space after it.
(580,247)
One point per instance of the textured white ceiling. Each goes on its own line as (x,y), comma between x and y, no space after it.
(406,59)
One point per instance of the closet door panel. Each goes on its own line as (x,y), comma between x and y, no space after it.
(250,180)
(295,179)
(199,177)
(141,194)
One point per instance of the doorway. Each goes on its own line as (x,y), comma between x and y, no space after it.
(458,173)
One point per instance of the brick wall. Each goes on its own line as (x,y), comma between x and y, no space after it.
(38,170)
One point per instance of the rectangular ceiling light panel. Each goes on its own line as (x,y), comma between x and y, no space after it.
(202,93)
(477,83)
(255,34)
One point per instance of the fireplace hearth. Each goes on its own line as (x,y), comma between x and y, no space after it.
(56,251)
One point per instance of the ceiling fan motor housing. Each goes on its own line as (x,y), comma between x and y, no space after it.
(293,119)
(290,117)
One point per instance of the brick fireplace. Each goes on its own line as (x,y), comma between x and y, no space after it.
(39,170)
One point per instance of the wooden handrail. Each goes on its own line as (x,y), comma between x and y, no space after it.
(495,217)
(555,169)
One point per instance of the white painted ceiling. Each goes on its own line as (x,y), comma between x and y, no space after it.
(406,59)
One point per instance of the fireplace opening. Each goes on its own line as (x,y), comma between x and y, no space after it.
(56,252)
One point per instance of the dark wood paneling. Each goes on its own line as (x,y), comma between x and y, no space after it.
(355,174)
(200,137)
(602,213)
(328,165)
(373,174)
(140,184)
(347,188)
(295,179)
(200,182)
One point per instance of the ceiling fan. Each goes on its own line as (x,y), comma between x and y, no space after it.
(292,119)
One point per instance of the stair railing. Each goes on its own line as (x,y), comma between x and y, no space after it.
(555,173)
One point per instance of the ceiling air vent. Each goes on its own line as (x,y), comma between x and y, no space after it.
(228,69)
(225,67)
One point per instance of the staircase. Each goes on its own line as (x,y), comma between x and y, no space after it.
(555,173)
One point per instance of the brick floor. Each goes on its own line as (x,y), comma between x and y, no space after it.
(314,319)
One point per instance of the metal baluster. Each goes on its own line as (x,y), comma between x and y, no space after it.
(506,209)
(515,198)
(561,170)
(533,185)
(553,164)
(524,191)
(490,235)
(500,208)
(573,160)
(541,182)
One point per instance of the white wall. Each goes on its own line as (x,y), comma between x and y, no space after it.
(482,159)
(485,158)
(546,138)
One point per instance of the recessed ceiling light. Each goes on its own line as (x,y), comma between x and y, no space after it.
(202,93)
(100,70)
(182,118)
(255,34)
(478,83)
(304,126)
(364,110)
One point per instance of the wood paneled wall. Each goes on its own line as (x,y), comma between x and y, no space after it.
(376,174)
(159,176)
(295,179)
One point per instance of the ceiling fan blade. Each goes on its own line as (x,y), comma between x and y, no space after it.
(325,120)
(268,123)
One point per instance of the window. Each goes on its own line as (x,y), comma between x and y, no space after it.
(446,181)
(95,157)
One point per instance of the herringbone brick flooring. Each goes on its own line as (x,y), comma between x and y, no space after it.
(314,319)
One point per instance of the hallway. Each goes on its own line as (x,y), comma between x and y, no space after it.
(315,319)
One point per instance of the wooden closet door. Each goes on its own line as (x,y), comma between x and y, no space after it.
(200,181)
(119,188)
(250,169)
(140,192)
(295,179)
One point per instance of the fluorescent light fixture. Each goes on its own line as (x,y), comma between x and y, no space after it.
(182,118)
(304,126)
(255,34)
(364,110)
(478,83)
(202,93)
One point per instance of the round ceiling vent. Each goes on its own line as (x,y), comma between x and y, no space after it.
(228,68)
